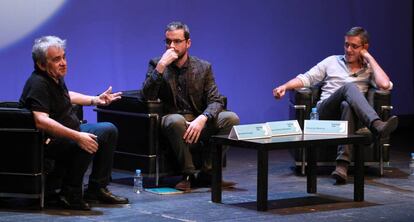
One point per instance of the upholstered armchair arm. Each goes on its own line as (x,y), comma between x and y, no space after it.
(300,101)
(21,160)
(13,117)
(382,103)
(132,102)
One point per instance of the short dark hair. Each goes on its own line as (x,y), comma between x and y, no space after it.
(179,25)
(361,32)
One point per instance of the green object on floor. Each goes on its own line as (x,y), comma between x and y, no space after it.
(164,190)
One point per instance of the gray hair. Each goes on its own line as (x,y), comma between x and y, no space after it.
(361,32)
(179,25)
(42,44)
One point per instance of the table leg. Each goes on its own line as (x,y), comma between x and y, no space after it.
(359,174)
(311,169)
(217,173)
(262,176)
(303,166)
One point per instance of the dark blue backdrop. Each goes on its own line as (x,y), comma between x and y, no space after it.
(253,45)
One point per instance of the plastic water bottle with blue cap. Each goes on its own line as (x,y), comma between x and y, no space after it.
(138,188)
(412,165)
(314,115)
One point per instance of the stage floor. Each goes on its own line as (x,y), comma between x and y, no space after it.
(387,198)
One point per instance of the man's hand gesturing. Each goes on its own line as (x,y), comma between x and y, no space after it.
(279,92)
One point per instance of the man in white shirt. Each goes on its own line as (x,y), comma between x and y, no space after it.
(345,79)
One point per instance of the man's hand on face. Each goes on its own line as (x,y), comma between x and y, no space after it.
(193,132)
(365,55)
(88,142)
(167,58)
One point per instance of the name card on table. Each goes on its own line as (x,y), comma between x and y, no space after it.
(281,128)
(250,131)
(327,127)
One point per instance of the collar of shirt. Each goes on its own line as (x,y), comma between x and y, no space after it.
(46,75)
(364,67)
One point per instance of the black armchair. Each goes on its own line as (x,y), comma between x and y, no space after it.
(23,169)
(301,102)
(21,159)
(140,143)
(137,121)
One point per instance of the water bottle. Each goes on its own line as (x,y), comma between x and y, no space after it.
(314,115)
(412,165)
(138,181)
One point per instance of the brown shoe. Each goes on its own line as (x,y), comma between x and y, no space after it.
(383,129)
(340,173)
(204,180)
(227,184)
(185,184)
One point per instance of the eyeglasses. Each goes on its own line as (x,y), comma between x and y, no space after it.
(175,41)
(353,46)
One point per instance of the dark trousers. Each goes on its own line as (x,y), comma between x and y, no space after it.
(347,103)
(71,162)
(174,127)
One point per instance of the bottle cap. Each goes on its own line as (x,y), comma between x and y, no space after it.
(314,110)
(137,171)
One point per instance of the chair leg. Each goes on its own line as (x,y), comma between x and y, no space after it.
(42,190)
(381,161)
(157,171)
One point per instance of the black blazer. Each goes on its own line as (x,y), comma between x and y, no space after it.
(201,87)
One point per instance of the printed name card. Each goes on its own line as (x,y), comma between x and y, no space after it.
(328,127)
(281,128)
(250,131)
(265,130)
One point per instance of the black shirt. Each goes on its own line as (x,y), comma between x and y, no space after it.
(41,93)
(183,99)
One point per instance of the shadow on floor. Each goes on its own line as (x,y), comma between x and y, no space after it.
(308,204)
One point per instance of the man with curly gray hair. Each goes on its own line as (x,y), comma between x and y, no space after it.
(69,144)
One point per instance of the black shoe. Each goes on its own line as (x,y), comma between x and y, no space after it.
(52,198)
(73,202)
(104,196)
(383,129)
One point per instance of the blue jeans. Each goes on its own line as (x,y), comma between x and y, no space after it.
(347,103)
(102,161)
(71,162)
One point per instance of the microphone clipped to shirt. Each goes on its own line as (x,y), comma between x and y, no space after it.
(354,74)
